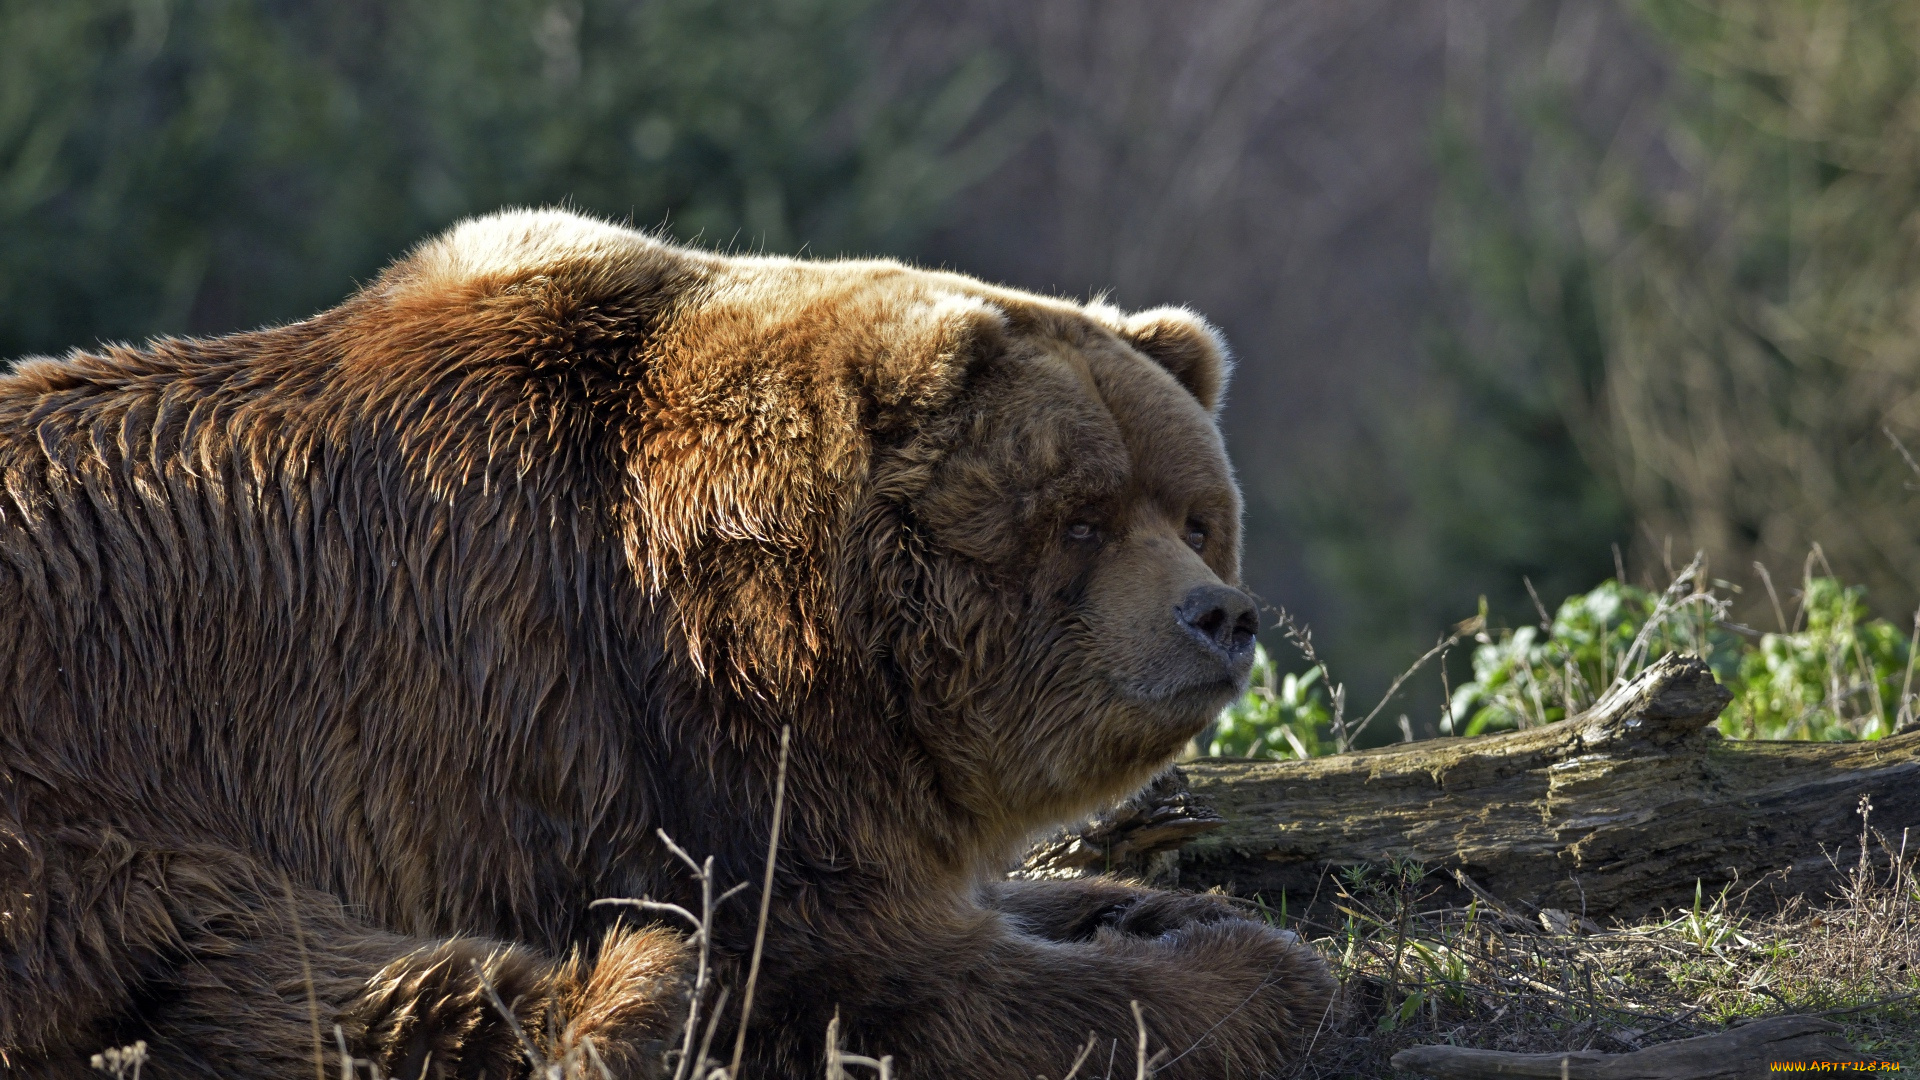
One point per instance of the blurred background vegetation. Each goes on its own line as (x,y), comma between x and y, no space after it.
(204,165)
(1526,297)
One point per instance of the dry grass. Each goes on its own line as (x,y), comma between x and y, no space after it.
(1493,977)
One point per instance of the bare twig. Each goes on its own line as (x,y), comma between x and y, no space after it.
(713,1023)
(838,1060)
(1081,1058)
(346,1059)
(1904,456)
(1671,600)
(593,1053)
(766,899)
(1546,622)
(306,976)
(1439,647)
(1302,637)
(702,933)
(1903,717)
(1779,614)
(1140,1048)
(534,1056)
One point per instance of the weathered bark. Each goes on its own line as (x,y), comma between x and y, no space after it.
(1615,812)
(1736,1054)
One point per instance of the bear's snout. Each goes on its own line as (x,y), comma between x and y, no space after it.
(1223,620)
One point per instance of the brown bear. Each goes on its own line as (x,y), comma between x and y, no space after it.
(345,664)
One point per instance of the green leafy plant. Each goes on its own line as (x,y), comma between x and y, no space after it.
(1279,717)
(1843,676)
(1831,673)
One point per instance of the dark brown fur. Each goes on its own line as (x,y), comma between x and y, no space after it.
(352,660)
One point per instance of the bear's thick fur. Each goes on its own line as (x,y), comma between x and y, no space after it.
(343,665)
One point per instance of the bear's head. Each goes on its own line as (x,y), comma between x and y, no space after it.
(1003,522)
(1075,528)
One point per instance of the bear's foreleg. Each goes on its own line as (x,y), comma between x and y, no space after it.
(222,969)
(1077,909)
(985,996)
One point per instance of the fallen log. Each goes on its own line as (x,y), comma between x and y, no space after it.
(1735,1054)
(1616,812)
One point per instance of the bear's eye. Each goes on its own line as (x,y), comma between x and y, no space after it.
(1196,535)
(1081,532)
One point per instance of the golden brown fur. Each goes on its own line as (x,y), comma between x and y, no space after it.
(357,657)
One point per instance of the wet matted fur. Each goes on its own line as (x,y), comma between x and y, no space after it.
(344,664)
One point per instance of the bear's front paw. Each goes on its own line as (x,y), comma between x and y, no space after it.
(431,1012)
(1251,998)
(1154,914)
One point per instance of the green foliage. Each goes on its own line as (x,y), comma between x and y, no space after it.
(1279,717)
(202,165)
(1840,676)
(1530,676)
(1844,676)
(1836,674)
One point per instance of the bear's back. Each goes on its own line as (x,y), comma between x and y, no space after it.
(241,606)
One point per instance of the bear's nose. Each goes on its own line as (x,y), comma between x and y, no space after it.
(1223,619)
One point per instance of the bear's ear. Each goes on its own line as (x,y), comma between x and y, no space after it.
(755,433)
(1186,345)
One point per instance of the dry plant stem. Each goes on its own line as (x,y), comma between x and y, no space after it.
(347,1060)
(713,1024)
(1439,647)
(1668,603)
(834,1071)
(1904,456)
(1873,684)
(1905,715)
(837,1061)
(766,899)
(1320,1027)
(306,976)
(1546,621)
(1140,1047)
(1081,1058)
(592,1052)
(704,932)
(1302,638)
(534,1056)
(702,872)
(1773,596)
